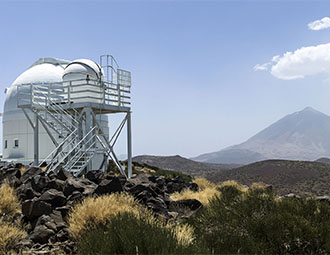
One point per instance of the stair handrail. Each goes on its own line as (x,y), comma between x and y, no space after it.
(68,153)
(57,148)
(72,163)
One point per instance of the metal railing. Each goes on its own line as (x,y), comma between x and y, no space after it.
(66,93)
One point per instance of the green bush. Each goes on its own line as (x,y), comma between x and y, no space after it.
(258,222)
(125,234)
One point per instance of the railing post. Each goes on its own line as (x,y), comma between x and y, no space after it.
(69,94)
(103,92)
(119,99)
(31,96)
(48,97)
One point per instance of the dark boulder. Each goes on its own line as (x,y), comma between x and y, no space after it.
(172,187)
(54,197)
(63,235)
(192,204)
(47,221)
(63,175)
(137,189)
(57,217)
(95,176)
(157,205)
(18,165)
(34,208)
(30,172)
(76,196)
(11,172)
(41,234)
(193,186)
(64,210)
(39,182)
(109,186)
(56,184)
(71,185)
(26,192)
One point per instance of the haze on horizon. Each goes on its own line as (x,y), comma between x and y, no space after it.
(206,75)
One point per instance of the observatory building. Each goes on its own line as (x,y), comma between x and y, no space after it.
(56,112)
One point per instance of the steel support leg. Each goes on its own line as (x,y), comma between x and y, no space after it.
(36,140)
(88,127)
(129,146)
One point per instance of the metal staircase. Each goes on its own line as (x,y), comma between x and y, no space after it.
(71,153)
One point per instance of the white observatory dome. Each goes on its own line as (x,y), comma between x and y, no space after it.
(17,132)
(80,69)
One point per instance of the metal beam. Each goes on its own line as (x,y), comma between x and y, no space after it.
(28,118)
(36,139)
(129,145)
(49,133)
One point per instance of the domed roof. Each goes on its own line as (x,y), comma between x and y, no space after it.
(84,67)
(44,70)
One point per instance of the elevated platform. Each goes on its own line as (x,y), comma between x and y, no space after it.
(103,97)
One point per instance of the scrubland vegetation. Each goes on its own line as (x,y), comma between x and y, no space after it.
(235,219)
(10,233)
(118,224)
(207,190)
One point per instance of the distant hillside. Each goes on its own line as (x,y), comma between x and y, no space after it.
(323,160)
(298,177)
(303,135)
(184,165)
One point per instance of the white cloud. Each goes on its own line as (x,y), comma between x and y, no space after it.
(302,62)
(259,67)
(320,24)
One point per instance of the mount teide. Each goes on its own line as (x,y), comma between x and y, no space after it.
(303,135)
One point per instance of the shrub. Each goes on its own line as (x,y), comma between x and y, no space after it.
(10,235)
(206,191)
(127,234)
(93,212)
(118,224)
(255,221)
(203,183)
(9,203)
(202,195)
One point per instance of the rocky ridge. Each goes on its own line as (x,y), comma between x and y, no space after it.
(47,199)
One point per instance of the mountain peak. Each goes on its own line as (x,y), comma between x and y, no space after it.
(309,109)
(303,135)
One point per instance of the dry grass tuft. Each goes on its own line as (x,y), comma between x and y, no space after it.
(146,170)
(9,203)
(22,169)
(10,235)
(202,196)
(207,191)
(184,234)
(258,186)
(95,211)
(234,184)
(203,183)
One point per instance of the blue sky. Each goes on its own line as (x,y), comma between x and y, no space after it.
(195,88)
